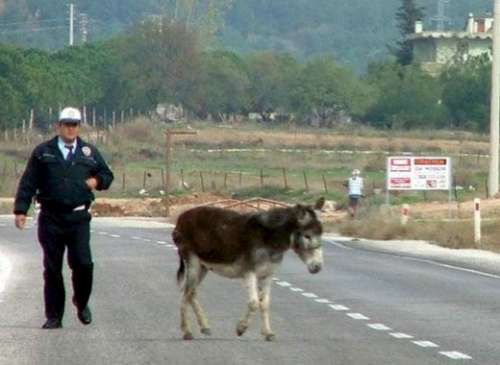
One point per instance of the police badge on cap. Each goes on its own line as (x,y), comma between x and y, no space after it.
(86,151)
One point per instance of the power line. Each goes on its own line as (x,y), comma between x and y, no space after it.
(28,22)
(37,29)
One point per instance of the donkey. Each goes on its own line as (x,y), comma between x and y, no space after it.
(244,246)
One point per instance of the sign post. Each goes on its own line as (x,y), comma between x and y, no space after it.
(419,173)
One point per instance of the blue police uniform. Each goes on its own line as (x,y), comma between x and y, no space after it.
(59,185)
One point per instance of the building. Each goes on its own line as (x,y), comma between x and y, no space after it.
(435,49)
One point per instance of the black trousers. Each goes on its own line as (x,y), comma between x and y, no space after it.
(55,233)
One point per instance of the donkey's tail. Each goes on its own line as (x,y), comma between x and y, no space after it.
(180,271)
(176,237)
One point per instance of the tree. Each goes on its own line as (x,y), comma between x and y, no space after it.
(271,78)
(324,90)
(406,98)
(466,93)
(406,16)
(159,63)
(222,87)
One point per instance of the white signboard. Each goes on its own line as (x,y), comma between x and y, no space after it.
(418,173)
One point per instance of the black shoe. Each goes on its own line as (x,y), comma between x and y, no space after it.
(52,323)
(85,315)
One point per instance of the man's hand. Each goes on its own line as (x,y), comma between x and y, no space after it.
(92,183)
(20,221)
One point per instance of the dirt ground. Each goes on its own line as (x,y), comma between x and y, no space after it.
(151,207)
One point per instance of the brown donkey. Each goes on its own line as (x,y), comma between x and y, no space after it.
(246,246)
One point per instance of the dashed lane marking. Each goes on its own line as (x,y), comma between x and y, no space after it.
(425,344)
(309,295)
(296,289)
(339,307)
(400,335)
(322,301)
(358,316)
(283,283)
(455,355)
(379,326)
(115,235)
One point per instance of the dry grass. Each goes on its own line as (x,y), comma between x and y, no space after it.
(458,234)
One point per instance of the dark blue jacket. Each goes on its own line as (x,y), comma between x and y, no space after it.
(60,185)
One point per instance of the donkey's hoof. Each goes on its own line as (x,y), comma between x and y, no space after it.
(206,331)
(270,337)
(241,328)
(188,336)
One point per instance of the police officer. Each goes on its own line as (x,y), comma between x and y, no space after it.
(62,173)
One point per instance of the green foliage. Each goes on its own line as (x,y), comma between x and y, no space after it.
(326,89)
(466,93)
(407,98)
(408,13)
(356,32)
(222,85)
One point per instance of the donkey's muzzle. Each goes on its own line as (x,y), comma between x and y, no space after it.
(314,268)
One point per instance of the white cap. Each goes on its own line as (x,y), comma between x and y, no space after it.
(70,115)
(355,172)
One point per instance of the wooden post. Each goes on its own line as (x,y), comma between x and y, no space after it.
(285,180)
(93,117)
(183,184)
(123,182)
(306,184)
(261,178)
(225,180)
(122,116)
(169,134)
(114,119)
(163,179)
(32,118)
(324,184)
(144,179)
(202,182)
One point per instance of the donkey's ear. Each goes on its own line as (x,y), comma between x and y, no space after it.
(319,203)
(303,215)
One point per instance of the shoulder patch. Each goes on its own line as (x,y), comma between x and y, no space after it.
(86,151)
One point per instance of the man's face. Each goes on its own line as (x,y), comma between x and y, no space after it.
(68,131)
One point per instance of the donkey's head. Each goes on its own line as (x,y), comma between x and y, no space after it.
(306,239)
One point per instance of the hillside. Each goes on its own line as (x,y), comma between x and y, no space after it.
(355,31)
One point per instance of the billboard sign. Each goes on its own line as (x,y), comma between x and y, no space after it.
(418,173)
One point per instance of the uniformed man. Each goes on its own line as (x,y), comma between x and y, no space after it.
(62,173)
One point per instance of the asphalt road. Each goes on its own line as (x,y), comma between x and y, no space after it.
(364,308)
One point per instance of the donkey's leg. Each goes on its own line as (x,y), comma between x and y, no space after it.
(264,302)
(192,274)
(253,302)
(198,310)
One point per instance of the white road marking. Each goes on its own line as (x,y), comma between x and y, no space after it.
(170,245)
(338,244)
(5,270)
(455,355)
(452,267)
(283,283)
(309,295)
(102,233)
(136,238)
(379,326)
(358,316)
(297,289)
(323,301)
(400,335)
(425,344)
(161,242)
(115,235)
(339,307)
(146,240)
(275,278)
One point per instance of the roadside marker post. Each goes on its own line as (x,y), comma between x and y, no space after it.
(405,214)
(477,222)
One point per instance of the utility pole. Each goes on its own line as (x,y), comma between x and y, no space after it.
(84,21)
(495,105)
(71,23)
